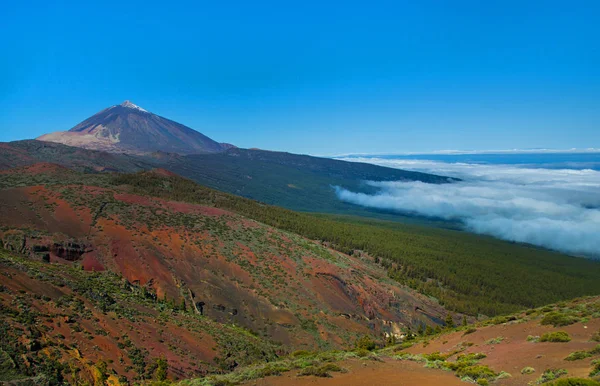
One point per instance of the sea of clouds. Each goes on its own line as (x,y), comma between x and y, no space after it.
(554,208)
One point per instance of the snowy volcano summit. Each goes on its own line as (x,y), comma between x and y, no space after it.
(128,128)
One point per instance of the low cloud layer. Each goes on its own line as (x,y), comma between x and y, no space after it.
(556,209)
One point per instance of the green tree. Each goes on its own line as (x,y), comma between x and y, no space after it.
(102,372)
(366,343)
(160,374)
(449,321)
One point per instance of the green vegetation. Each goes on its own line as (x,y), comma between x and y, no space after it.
(496,340)
(466,366)
(309,364)
(595,368)
(467,273)
(550,375)
(557,336)
(574,382)
(527,370)
(365,343)
(558,319)
(321,371)
(578,355)
(476,372)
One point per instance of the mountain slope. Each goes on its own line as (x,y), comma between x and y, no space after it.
(130,129)
(119,276)
(466,272)
(226,266)
(60,324)
(515,350)
(297,182)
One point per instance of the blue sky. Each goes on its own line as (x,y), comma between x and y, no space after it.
(312,77)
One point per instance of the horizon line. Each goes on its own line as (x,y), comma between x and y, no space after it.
(590,150)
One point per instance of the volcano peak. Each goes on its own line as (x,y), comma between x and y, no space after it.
(132,106)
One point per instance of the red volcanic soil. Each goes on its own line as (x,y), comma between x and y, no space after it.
(163,172)
(514,352)
(370,373)
(90,262)
(99,336)
(243,272)
(175,206)
(510,352)
(37,168)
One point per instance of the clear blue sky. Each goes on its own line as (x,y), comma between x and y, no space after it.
(312,77)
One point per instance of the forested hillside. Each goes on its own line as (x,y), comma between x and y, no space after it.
(466,272)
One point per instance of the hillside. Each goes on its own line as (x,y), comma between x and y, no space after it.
(555,345)
(293,181)
(466,272)
(289,292)
(59,323)
(120,275)
(128,128)
(297,182)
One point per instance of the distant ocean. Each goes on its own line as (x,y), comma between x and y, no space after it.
(576,161)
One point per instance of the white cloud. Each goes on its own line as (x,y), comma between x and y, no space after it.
(556,209)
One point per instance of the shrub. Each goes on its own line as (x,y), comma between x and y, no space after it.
(361,352)
(270,370)
(476,372)
(557,336)
(574,382)
(496,340)
(437,364)
(466,360)
(550,375)
(300,353)
(321,371)
(532,338)
(469,330)
(596,369)
(527,370)
(410,357)
(435,356)
(596,336)
(503,375)
(578,355)
(558,319)
(366,343)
